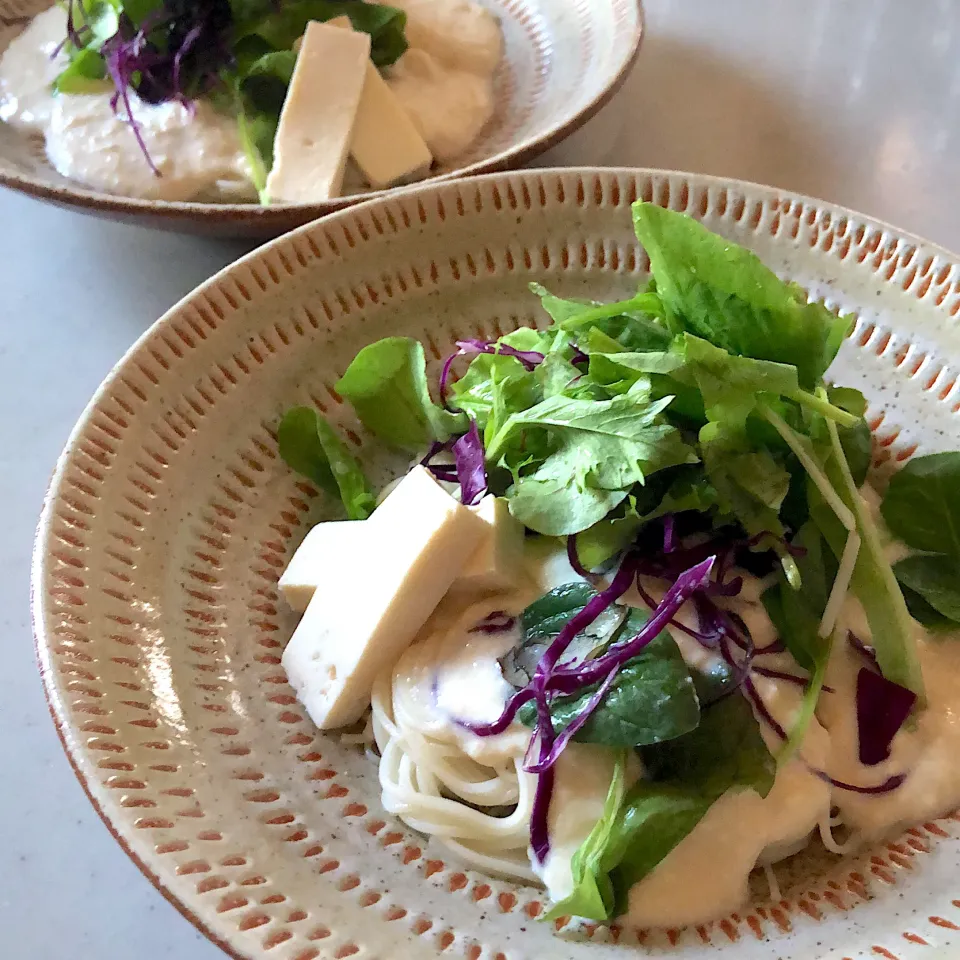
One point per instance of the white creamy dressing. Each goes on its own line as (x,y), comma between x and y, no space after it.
(444,81)
(926,749)
(197,150)
(706,875)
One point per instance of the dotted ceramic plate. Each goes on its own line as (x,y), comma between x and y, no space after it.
(563,60)
(170,518)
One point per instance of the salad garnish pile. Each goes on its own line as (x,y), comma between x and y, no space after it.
(668,439)
(238,53)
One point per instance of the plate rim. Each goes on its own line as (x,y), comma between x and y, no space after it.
(174,215)
(39,558)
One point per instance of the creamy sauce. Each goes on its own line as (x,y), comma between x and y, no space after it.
(583,775)
(448,106)
(444,81)
(926,750)
(197,151)
(706,875)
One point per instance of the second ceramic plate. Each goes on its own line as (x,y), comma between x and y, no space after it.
(563,60)
(170,518)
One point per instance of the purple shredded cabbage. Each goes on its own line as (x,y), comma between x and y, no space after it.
(550,757)
(176,53)
(867,652)
(446,472)
(579,622)
(593,671)
(761,708)
(499,621)
(888,785)
(471,466)
(529,358)
(579,358)
(669,534)
(574,557)
(776,646)
(502,723)
(781,675)
(882,708)
(124,57)
(540,815)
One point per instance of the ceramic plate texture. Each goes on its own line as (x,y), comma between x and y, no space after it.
(564,59)
(170,518)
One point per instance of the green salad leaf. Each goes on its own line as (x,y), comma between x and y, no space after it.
(922,504)
(387,386)
(652,699)
(936,579)
(494,386)
(723,293)
(281,24)
(922,508)
(873,581)
(309,445)
(684,778)
(796,614)
(592,895)
(597,451)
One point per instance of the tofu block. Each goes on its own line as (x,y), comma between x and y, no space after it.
(374,601)
(386,145)
(318,116)
(497,564)
(326,545)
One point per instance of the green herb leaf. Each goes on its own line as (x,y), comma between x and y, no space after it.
(652,699)
(494,387)
(86,73)
(387,386)
(717,290)
(752,486)
(558,505)
(924,614)
(797,613)
(725,752)
(922,504)
(592,896)
(281,25)
(873,580)
(309,445)
(936,578)
(600,449)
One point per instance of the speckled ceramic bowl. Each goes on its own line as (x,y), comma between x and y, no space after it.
(564,59)
(170,518)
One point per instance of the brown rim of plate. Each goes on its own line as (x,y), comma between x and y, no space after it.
(283,217)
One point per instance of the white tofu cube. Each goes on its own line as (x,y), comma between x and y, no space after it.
(497,564)
(326,545)
(371,603)
(386,145)
(318,116)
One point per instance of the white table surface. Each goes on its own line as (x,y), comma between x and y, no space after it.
(854,101)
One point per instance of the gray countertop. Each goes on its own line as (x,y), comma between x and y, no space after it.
(853,101)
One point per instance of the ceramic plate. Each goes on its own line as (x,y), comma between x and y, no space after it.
(170,518)
(563,60)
